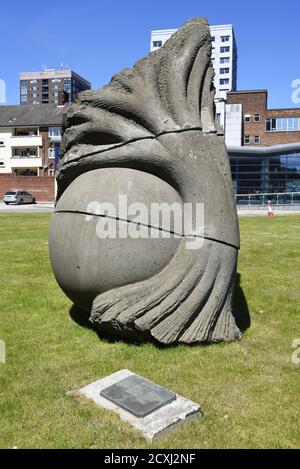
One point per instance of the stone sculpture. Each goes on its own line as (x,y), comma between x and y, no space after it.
(153,125)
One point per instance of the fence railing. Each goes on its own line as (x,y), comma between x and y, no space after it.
(281,198)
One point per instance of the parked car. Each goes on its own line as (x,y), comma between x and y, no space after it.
(20,197)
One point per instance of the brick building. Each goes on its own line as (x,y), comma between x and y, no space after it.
(30,145)
(51,86)
(263,145)
(250,122)
(29,148)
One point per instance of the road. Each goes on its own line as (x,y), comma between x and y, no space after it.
(242,211)
(28,208)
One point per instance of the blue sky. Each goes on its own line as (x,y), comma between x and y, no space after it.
(99,38)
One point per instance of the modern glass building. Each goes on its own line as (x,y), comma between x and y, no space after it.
(273,169)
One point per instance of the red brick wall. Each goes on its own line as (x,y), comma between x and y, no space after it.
(41,187)
(253,103)
(277,138)
(44,152)
(256,103)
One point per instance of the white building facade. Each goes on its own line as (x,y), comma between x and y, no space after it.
(30,139)
(224,58)
(233,125)
(20,154)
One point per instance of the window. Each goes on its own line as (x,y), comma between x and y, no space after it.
(256,139)
(24,152)
(33,88)
(55,87)
(55,94)
(283,124)
(35,102)
(247,117)
(277,172)
(2,164)
(56,80)
(26,172)
(51,153)
(23,87)
(224,49)
(54,132)
(33,81)
(247,139)
(24,99)
(225,38)
(2,143)
(25,132)
(224,60)
(213,39)
(270,125)
(224,81)
(223,71)
(50,172)
(157,43)
(34,95)
(256,117)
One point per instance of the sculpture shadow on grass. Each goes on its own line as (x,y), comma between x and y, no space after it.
(240,306)
(241,315)
(82,319)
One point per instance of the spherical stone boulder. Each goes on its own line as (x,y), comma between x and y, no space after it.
(87,262)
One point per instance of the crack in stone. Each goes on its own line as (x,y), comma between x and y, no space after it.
(120,145)
(145,225)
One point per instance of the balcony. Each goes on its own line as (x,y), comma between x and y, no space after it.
(26,161)
(26,157)
(27,141)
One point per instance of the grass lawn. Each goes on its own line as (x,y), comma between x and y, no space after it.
(249,390)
